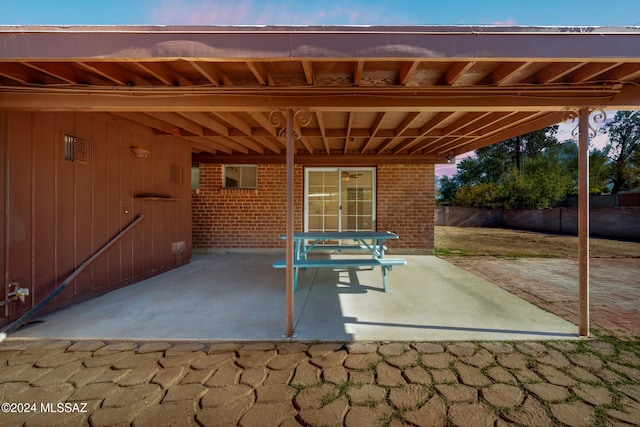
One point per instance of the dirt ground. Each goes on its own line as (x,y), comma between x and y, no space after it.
(543,269)
(475,241)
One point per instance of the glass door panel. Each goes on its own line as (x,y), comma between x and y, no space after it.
(340,199)
(357,200)
(323,205)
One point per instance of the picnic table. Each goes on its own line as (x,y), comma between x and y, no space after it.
(369,242)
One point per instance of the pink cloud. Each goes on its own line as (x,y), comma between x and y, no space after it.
(203,12)
(508,22)
(253,12)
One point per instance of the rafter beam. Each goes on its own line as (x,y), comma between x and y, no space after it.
(323,160)
(398,131)
(208,70)
(374,130)
(406,72)
(455,71)
(610,96)
(258,71)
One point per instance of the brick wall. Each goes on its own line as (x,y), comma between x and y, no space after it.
(243,218)
(406,203)
(254,219)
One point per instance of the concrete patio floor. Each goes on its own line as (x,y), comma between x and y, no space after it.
(241,297)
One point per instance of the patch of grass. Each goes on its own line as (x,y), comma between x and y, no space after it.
(445,252)
(343,387)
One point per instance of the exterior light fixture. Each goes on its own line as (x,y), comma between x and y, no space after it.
(450,158)
(140,153)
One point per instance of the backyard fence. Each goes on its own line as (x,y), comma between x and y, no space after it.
(616,222)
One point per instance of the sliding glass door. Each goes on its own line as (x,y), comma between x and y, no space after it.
(339,199)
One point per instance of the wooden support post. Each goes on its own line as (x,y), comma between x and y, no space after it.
(583,222)
(289,226)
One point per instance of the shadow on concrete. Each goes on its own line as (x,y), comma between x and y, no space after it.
(241,297)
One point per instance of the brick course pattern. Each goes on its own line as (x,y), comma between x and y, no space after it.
(243,218)
(255,218)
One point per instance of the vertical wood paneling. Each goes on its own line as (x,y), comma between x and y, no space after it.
(126,195)
(83,186)
(114,208)
(138,187)
(100,225)
(66,260)
(44,222)
(60,212)
(3,204)
(19,194)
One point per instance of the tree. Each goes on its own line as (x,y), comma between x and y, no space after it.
(623,150)
(447,190)
(547,183)
(513,151)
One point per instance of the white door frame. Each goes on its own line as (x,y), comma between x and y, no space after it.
(339,170)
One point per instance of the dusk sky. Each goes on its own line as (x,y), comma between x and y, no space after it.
(325,12)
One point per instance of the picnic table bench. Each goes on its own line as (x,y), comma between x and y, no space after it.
(367,241)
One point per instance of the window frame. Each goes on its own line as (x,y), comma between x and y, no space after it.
(241,168)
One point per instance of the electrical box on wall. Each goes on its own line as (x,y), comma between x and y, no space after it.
(177,247)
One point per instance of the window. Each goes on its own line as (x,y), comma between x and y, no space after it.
(195,177)
(241,176)
(77,149)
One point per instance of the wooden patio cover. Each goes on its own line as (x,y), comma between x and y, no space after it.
(374,94)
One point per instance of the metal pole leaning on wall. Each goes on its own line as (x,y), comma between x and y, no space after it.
(29,314)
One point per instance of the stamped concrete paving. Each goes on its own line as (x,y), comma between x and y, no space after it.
(532,383)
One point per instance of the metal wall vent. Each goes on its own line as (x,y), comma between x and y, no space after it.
(78,149)
(176,174)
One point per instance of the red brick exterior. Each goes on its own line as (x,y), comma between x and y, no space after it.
(406,206)
(255,218)
(225,218)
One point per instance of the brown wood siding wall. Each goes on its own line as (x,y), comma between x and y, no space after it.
(58,213)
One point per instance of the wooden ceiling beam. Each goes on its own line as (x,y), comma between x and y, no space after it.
(182,122)
(163,73)
(503,74)
(323,129)
(624,72)
(399,131)
(556,70)
(307,67)
(466,121)
(496,127)
(455,71)
(425,130)
(374,130)
(407,69)
(152,122)
(208,70)
(258,71)
(591,71)
(207,121)
(509,101)
(357,72)
(234,121)
(541,120)
(323,160)
(224,147)
(16,71)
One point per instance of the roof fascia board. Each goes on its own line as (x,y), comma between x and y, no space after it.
(317,43)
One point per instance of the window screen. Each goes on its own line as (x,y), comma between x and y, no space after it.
(241,176)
